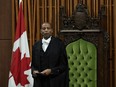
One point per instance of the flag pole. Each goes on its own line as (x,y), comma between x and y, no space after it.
(20,1)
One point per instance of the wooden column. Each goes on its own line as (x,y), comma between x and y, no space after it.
(115,43)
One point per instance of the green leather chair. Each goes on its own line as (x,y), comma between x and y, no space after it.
(82,59)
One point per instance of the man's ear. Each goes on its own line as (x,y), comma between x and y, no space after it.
(41,32)
(52,31)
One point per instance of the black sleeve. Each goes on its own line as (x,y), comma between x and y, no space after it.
(63,61)
(33,59)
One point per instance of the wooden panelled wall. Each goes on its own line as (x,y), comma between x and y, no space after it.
(5,41)
(38,11)
(114,41)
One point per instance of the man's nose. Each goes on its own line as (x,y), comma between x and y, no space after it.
(46,28)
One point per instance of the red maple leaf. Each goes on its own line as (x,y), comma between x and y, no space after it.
(18,67)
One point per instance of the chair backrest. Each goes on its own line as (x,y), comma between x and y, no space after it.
(87,46)
(82,59)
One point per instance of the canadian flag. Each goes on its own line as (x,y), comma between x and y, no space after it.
(20,71)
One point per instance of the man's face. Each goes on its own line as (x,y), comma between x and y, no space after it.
(46,30)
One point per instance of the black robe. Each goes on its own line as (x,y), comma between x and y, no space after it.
(55,59)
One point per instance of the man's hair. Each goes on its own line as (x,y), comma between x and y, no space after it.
(46,23)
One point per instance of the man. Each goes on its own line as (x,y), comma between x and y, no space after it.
(49,60)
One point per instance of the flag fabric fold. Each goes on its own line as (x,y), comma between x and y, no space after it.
(20,70)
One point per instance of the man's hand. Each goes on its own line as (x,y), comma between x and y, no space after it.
(35,72)
(46,72)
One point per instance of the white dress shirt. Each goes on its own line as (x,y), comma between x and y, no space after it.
(45,43)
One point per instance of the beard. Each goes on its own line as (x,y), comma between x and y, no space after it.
(46,36)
